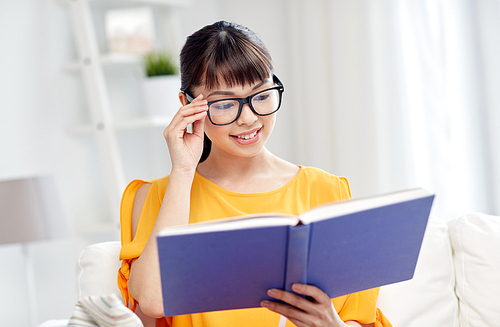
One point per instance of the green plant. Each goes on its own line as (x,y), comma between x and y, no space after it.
(159,63)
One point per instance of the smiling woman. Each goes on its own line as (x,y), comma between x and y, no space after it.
(227,76)
(223,54)
(252,114)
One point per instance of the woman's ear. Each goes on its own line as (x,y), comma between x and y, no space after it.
(183,99)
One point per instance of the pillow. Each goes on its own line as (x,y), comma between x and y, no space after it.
(476,243)
(428,299)
(97,270)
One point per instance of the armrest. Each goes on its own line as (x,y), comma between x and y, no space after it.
(97,269)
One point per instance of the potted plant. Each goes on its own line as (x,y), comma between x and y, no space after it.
(161,85)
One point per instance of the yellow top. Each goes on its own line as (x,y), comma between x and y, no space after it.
(309,188)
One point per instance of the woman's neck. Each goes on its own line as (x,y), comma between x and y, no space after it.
(221,164)
(261,173)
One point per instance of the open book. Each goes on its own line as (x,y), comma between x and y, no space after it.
(342,248)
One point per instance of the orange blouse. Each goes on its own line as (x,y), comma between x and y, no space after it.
(309,188)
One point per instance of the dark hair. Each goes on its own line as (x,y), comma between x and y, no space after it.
(223,53)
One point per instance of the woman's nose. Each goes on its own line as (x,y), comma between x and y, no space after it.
(247,117)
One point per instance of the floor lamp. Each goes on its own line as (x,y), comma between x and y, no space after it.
(30,210)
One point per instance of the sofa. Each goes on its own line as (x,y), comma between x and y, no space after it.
(456,281)
(457,278)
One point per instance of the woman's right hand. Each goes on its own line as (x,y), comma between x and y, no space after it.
(185,152)
(186,148)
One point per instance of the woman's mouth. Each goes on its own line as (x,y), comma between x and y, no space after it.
(248,136)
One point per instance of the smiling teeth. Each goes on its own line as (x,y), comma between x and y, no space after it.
(248,136)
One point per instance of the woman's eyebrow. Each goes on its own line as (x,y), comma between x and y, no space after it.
(261,83)
(220,93)
(268,80)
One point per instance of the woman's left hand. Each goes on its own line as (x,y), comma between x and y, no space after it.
(318,311)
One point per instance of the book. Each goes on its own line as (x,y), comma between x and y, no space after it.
(342,248)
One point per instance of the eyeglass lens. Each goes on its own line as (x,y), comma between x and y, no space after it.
(226,111)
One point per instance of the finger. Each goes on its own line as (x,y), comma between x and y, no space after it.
(293,314)
(186,121)
(192,108)
(195,100)
(198,98)
(187,111)
(312,291)
(199,126)
(194,117)
(292,299)
(321,300)
(177,129)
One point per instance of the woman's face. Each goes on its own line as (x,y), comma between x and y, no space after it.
(246,136)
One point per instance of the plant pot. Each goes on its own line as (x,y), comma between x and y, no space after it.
(161,94)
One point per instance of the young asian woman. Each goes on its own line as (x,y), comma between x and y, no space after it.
(231,96)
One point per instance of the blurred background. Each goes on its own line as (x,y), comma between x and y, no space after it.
(392,94)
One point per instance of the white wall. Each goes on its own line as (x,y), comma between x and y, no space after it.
(23,101)
(271,27)
(28,142)
(40,102)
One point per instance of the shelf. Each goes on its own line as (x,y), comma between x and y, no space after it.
(177,3)
(144,122)
(119,3)
(128,125)
(107,60)
(91,64)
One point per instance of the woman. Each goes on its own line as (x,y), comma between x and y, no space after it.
(230,96)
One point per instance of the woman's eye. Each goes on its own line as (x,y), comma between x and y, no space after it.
(262,97)
(222,105)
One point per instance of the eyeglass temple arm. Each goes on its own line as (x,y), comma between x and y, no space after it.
(189,98)
(275,80)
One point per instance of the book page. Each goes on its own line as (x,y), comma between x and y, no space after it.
(346,207)
(225,224)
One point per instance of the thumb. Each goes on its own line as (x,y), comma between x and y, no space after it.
(199,127)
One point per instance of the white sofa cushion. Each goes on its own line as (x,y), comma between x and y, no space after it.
(98,266)
(428,299)
(476,244)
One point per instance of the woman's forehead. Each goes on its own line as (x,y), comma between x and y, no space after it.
(221,87)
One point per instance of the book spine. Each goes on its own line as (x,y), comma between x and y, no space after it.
(297,255)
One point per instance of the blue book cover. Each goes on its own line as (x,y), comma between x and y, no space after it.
(342,247)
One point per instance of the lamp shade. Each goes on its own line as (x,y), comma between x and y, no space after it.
(30,210)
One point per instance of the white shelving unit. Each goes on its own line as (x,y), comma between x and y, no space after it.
(127,125)
(91,64)
(113,59)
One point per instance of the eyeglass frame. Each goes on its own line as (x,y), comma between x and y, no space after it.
(243,101)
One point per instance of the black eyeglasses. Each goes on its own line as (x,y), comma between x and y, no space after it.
(262,103)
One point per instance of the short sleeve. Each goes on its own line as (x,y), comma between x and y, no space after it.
(321,187)
(362,307)
(344,188)
(132,248)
